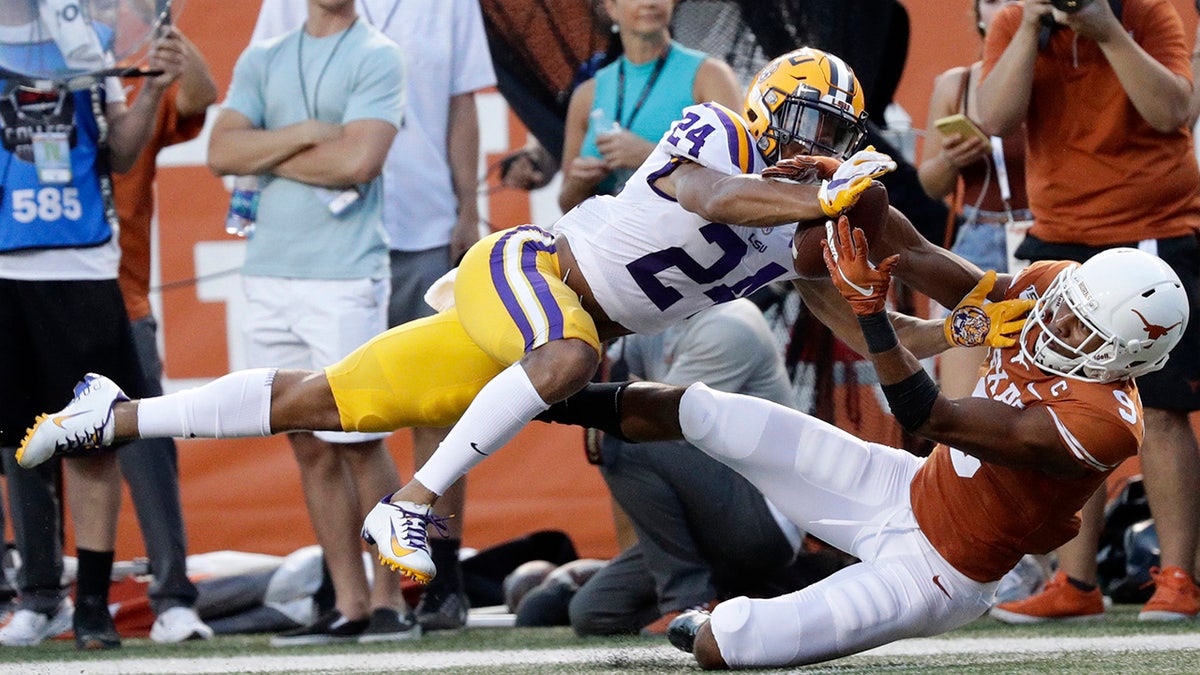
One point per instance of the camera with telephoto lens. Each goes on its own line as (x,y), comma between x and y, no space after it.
(1070,6)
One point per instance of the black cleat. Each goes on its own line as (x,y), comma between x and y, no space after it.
(442,611)
(682,630)
(94,626)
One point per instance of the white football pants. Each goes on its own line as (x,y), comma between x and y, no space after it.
(851,494)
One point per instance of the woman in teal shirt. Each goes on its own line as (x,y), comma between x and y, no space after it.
(615,119)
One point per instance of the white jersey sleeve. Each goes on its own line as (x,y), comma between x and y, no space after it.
(715,137)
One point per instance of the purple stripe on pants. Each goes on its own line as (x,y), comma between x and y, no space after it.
(528,267)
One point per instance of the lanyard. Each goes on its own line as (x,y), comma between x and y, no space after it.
(637,107)
(1002,173)
(312,112)
(387,20)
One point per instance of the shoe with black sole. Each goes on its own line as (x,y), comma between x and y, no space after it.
(442,611)
(389,625)
(331,627)
(682,630)
(93,625)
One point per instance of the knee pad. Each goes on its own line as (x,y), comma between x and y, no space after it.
(697,412)
(731,616)
(721,424)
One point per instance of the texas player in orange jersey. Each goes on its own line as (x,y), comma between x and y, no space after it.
(1053,413)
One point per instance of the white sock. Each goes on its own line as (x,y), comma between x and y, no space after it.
(237,405)
(498,412)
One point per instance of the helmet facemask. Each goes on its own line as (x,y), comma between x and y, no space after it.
(806,102)
(1118,342)
(805,125)
(1053,354)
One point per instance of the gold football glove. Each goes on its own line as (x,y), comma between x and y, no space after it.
(975,322)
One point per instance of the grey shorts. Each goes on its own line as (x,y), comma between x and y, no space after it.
(413,272)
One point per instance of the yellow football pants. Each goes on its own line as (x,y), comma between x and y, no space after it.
(509,300)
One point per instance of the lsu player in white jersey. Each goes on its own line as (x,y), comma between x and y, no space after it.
(1054,412)
(695,226)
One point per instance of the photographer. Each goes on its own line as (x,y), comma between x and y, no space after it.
(59,258)
(1103,89)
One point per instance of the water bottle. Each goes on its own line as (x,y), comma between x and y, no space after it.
(243,206)
(601,122)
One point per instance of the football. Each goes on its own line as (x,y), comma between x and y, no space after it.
(869,214)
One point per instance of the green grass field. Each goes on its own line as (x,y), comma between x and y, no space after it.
(1117,644)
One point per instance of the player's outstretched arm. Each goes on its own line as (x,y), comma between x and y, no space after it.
(989,430)
(744,199)
(972,323)
(822,298)
(930,269)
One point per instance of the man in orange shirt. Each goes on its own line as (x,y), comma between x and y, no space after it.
(1104,100)
(1054,413)
(150,467)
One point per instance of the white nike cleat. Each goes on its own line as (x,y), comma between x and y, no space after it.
(85,425)
(398,531)
(179,624)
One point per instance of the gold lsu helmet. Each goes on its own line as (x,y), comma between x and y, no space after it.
(809,102)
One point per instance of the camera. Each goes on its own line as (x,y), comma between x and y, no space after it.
(1070,6)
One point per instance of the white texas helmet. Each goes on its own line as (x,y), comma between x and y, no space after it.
(1134,306)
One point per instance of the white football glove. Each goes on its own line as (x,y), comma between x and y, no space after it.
(841,192)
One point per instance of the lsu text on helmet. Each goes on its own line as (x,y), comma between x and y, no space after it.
(1132,306)
(806,102)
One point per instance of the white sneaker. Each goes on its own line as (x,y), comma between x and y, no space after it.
(398,531)
(84,425)
(28,628)
(179,624)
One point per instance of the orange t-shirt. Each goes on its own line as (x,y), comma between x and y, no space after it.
(1097,173)
(982,517)
(133,193)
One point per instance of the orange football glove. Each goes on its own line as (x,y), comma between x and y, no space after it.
(862,284)
(805,169)
(976,322)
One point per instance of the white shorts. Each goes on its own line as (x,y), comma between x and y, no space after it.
(311,323)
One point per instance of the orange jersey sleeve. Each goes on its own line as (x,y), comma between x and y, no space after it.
(133,192)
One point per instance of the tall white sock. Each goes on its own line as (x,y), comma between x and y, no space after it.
(236,405)
(499,411)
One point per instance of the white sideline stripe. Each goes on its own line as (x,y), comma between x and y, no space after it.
(425,661)
(1124,643)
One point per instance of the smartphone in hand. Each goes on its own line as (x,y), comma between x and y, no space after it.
(961,125)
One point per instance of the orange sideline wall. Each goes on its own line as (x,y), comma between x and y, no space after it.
(245,494)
